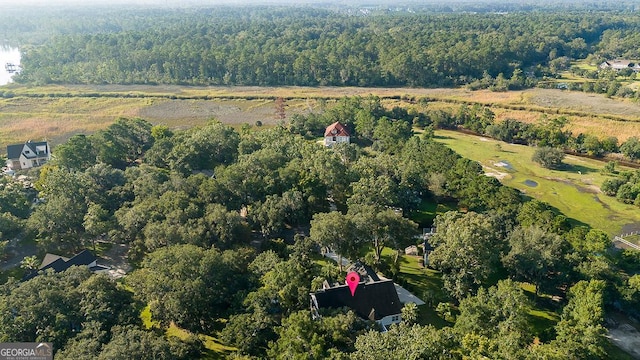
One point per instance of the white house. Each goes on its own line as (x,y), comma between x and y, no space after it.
(620,64)
(336,133)
(28,155)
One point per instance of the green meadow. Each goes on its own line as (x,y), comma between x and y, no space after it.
(574,190)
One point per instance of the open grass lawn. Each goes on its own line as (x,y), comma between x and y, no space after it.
(544,313)
(424,283)
(574,190)
(427,212)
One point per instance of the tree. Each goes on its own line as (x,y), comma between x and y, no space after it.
(407,342)
(97,221)
(390,135)
(539,214)
(494,322)
(188,285)
(250,333)
(15,199)
(468,248)
(595,243)
(335,230)
(609,168)
(536,256)
(548,157)
(611,186)
(593,145)
(580,331)
(299,336)
(382,228)
(123,142)
(78,153)
(58,224)
(631,148)
(409,313)
(224,228)
(29,263)
(204,148)
(55,307)
(132,342)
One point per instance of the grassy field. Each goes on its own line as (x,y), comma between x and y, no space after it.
(58,112)
(574,190)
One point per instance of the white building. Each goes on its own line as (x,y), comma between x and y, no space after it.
(336,133)
(28,155)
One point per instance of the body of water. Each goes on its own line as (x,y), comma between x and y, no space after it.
(7,55)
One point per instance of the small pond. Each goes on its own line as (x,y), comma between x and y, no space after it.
(530,183)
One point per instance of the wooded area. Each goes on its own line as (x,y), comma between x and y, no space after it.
(224,226)
(142,185)
(309,47)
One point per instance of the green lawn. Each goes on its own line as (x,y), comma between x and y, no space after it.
(425,284)
(544,313)
(573,190)
(427,212)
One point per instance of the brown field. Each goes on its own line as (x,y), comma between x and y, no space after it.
(57,112)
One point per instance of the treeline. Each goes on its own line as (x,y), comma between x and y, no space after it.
(311,47)
(193,205)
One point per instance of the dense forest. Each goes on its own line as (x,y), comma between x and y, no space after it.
(310,46)
(224,229)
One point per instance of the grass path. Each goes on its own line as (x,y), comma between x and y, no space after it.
(573,190)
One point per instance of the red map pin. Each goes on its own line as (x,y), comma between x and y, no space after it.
(353,278)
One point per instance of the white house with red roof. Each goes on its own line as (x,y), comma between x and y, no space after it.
(336,133)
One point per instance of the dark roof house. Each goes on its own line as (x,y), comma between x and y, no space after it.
(28,155)
(375,300)
(367,274)
(59,263)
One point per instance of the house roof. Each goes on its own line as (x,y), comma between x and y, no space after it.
(336,129)
(51,258)
(60,263)
(373,300)
(621,63)
(14,151)
(367,274)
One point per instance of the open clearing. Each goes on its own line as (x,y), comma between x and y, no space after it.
(58,112)
(574,190)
